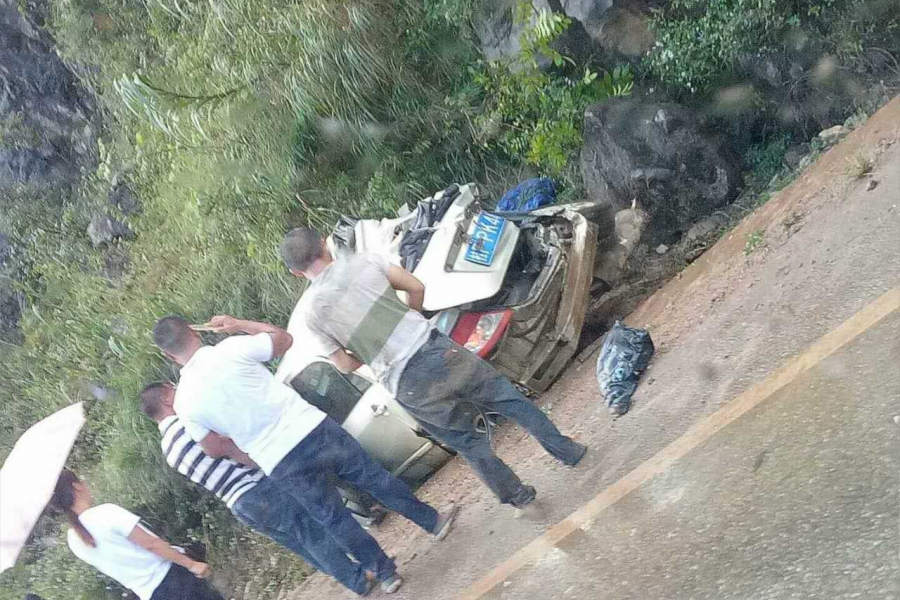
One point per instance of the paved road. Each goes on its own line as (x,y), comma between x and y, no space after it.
(761,459)
(797,498)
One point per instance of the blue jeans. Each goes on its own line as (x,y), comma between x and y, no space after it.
(444,386)
(276,514)
(329,451)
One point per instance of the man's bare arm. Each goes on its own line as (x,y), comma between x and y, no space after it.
(344,362)
(219,446)
(404,281)
(281,339)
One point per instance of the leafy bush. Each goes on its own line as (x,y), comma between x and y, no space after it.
(699,41)
(538,114)
(231,122)
(766,160)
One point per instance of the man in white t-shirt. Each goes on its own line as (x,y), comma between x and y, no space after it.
(232,405)
(253,498)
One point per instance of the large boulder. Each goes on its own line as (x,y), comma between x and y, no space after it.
(123,198)
(104,230)
(607,30)
(47,123)
(499,31)
(619,28)
(660,155)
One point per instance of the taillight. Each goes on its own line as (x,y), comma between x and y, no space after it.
(480,332)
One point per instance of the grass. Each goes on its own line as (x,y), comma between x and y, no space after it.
(859,165)
(233,121)
(754,241)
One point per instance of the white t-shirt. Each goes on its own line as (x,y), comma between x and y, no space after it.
(225,388)
(116,556)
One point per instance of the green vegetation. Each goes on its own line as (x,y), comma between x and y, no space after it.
(859,165)
(536,114)
(234,120)
(699,42)
(754,241)
(701,45)
(15,133)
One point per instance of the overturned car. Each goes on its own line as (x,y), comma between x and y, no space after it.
(512,287)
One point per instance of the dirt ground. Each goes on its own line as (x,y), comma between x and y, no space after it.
(828,244)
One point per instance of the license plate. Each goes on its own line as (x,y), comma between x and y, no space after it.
(483,241)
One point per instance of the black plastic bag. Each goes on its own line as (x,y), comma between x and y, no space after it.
(624,356)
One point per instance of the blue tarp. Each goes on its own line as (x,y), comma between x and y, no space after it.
(528,195)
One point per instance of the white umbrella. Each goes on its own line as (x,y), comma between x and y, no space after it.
(29,476)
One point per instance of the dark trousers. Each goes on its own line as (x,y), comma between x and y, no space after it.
(278,515)
(444,386)
(180,584)
(331,451)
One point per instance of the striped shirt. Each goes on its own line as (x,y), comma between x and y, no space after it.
(225,478)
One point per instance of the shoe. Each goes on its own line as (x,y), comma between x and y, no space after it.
(445,522)
(391,584)
(582,450)
(524,497)
(370,585)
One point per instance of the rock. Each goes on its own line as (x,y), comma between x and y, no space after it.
(11,303)
(794,154)
(11,300)
(115,265)
(619,29)
(805,162)
(659,154)
(6,249)
(104,230)
(46,118)
(833,134)
(608,30)
(873,183)
(662,249)
(123,197)
(706,228)
(629,227)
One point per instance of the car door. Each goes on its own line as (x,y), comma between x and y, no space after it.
(370,414)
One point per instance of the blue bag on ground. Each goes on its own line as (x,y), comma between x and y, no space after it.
(624,356)
(528,195)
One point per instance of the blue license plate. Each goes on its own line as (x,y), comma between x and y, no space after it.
(484,240)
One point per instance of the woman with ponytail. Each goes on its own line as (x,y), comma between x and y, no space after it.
(113,541)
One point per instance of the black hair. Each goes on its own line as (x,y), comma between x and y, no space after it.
(152,398)
(172,334)
(64,499)
(300,248)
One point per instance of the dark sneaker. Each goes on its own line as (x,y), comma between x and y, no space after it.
(582,450)
(445,522)
(524,497)
(392,584)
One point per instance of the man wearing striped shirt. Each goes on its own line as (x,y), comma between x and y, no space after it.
(252,497)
